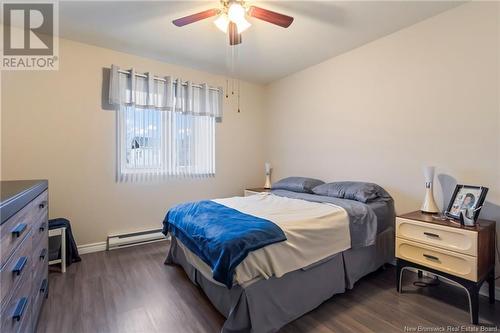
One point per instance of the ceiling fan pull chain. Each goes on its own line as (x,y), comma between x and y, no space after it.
(231,61)
(238,96)
(227,88)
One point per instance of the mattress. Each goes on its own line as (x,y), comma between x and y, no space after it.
(384,210)
(314,231)
(365,221)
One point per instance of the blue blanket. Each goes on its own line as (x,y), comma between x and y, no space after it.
(221,236)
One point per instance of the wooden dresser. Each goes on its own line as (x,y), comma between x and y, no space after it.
(465,255)
(23,254)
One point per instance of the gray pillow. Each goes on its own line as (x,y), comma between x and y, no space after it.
(359,191)
(297,184)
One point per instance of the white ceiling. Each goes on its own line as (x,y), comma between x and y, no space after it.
(321,30)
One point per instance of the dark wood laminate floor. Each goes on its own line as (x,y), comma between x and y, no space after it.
(131,290)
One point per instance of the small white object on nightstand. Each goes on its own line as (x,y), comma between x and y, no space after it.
(429,205)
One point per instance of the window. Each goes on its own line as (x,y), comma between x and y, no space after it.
(165,143)
(165,126)
(143,133)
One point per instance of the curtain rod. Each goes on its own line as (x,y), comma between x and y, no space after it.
(163,80)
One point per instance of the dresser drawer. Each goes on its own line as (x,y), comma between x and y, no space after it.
(40,207)
(454,263)
(40,260)
(16,314)
(13,232)
(40,232)
(39,292)
(17,269)
(40,257)
(448,238)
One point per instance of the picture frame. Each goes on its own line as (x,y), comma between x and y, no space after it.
(466,196)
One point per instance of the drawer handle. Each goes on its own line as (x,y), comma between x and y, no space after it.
(18,229)
(42,227)
(430,234)
(428,256)
(19,310)
(42,204)
(43,286)
(18,268)
(43,253)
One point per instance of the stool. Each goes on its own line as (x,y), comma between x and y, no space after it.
(62,233)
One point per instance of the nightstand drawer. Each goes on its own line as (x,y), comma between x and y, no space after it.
(453,239)
(457,264)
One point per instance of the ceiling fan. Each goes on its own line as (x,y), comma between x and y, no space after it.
(232,18)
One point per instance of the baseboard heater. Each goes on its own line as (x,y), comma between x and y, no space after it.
(135,238)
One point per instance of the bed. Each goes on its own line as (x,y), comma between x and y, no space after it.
(266,290)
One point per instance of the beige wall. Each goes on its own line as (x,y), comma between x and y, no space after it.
(53,127)
(428,94)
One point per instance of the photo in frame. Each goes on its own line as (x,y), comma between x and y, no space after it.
(466,197)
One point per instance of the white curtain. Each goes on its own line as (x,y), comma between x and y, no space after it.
(164,128)
(164,93)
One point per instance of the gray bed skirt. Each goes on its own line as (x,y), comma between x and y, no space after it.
(267,305)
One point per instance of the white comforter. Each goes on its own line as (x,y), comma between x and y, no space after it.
(314,231)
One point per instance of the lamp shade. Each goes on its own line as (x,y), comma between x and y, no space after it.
(222,22)
(429,174)
(429,205)
(236,14)
(242,25)
(267,166)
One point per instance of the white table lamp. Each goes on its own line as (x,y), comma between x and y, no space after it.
(429,205)
(268,175)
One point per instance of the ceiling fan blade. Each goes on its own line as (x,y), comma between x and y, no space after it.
(196,17)
(234,36)
(270,16)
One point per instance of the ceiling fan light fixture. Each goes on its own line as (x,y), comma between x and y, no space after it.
(231,18)
(242,25)
(221,23)
(236,12)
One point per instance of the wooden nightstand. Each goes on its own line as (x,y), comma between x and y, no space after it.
(463,255)
(252,191)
